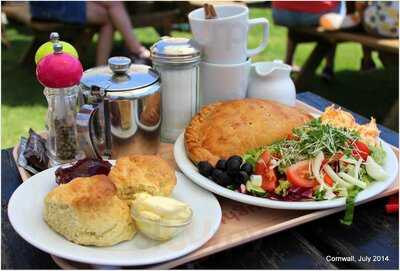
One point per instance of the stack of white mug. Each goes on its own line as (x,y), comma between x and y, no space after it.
(225,66)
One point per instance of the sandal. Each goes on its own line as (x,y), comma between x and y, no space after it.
(143,57)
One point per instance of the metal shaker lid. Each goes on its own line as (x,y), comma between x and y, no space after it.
(120,79)
(175,51)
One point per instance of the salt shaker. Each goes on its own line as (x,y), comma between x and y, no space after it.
(60,73)
(177,61)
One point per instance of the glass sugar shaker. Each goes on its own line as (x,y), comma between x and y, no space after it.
(177,61)
(60,74)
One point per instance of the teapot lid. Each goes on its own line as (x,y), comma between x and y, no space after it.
(121,79)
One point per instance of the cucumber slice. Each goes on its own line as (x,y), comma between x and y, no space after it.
(255,190)
(352,180)
(375,170)
(256,180)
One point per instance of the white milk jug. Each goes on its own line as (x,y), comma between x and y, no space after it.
(271,81)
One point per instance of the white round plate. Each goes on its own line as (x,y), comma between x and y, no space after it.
(190,170)
(25,214)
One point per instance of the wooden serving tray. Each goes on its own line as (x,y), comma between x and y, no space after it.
(241,223)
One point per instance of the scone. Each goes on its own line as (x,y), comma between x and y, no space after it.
(142,173)
(87,211)
(229,128)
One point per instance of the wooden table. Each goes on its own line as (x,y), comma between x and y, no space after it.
(388,49)
(308,246)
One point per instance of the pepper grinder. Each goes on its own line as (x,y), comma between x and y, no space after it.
(60,74)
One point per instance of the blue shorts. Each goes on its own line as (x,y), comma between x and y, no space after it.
(295,18)
(73,12)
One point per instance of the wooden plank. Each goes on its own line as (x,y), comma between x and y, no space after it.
(285,250)
(387,45)
(373,233)
(312,63)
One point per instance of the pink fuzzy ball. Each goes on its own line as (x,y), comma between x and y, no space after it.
(59,71)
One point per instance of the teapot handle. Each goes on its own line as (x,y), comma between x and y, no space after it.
(84,125)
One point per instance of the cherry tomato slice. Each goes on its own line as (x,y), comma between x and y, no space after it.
(328,180)
(360,150)
(269,179)
(299,175)
(266,157)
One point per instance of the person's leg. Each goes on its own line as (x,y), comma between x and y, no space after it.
(97,15)
(328,71)
(121,21)
(104,44)
(367,63)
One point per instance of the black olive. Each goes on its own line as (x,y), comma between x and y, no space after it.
(246,167)
(233,164)
(241,177)
(220,177)
(205,168)
(221,164)
(236,157)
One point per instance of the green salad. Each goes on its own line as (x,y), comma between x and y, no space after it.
(317,162)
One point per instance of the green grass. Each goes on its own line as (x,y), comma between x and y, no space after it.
(372,93)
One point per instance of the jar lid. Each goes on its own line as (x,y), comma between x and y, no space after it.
(120,76)
(175,51)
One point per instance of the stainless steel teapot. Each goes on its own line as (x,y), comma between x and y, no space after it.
(120,110)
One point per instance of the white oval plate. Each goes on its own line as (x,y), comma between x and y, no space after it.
(190,170)
(25,214)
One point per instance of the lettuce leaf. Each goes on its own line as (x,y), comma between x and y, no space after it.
(282,188)
(252,156)
(350,204)
(378,154)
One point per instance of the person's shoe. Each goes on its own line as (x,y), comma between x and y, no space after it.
(327,74)
(141,58)
(367,64)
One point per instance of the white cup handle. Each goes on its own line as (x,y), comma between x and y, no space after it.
(263,44)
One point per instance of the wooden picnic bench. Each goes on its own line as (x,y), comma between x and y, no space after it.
(388,49)
(159,15)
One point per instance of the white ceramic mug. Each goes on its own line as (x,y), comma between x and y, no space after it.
(220,82)
(223,40)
